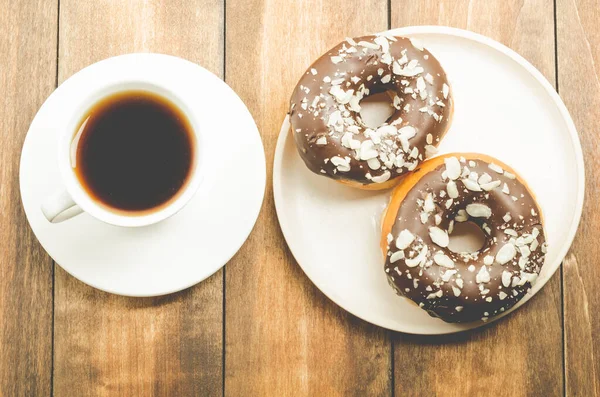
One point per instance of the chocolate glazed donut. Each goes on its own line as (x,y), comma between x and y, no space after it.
(463,287)
(330,135)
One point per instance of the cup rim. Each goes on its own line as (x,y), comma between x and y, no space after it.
(101,211)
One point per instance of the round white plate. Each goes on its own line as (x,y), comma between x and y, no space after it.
(184,249)
(504,107)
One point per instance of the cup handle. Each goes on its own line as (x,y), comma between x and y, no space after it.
(60,207)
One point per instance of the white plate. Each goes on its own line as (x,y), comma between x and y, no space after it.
(184,249)
(504,107)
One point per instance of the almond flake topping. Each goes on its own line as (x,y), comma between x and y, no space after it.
(374,164)
(506,278)
(405,239)
(496,168)
(382,178)
(428,204)
(407,132)
(419,259)
(383,43)
(452,168)
(484,178)
(490,186)
(409,70)
(448,274)
(483,276)
(437,294)
(367,150)
(322,141)
(444,261)
(506,253)
(478,210)
(342,164)
(471,185)
(452,189)
(396,256)
(439,236)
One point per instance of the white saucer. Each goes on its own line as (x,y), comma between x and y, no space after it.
(501,100)
(184,249)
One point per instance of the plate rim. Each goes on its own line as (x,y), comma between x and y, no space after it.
(262,174)
(575,141)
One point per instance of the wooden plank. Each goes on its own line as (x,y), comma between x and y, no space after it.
(284,337)
(109,345)
(578,51)
(522,354)
(27,77)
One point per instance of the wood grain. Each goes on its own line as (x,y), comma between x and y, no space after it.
(284,337)
(579,85)
(27,77)
(108,345)
(522,354)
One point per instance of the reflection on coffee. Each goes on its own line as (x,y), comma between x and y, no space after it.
(133,151)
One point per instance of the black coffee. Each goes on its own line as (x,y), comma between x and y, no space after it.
(135,151)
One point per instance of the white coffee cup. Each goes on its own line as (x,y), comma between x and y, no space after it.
(72,199)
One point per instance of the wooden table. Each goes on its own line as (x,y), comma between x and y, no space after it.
(259,327)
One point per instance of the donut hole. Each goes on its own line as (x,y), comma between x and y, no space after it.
(376,109)
(467,237)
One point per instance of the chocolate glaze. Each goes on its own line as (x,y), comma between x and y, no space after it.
(478,296)
(322,111)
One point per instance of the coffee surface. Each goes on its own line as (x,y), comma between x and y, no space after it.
(134,151)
